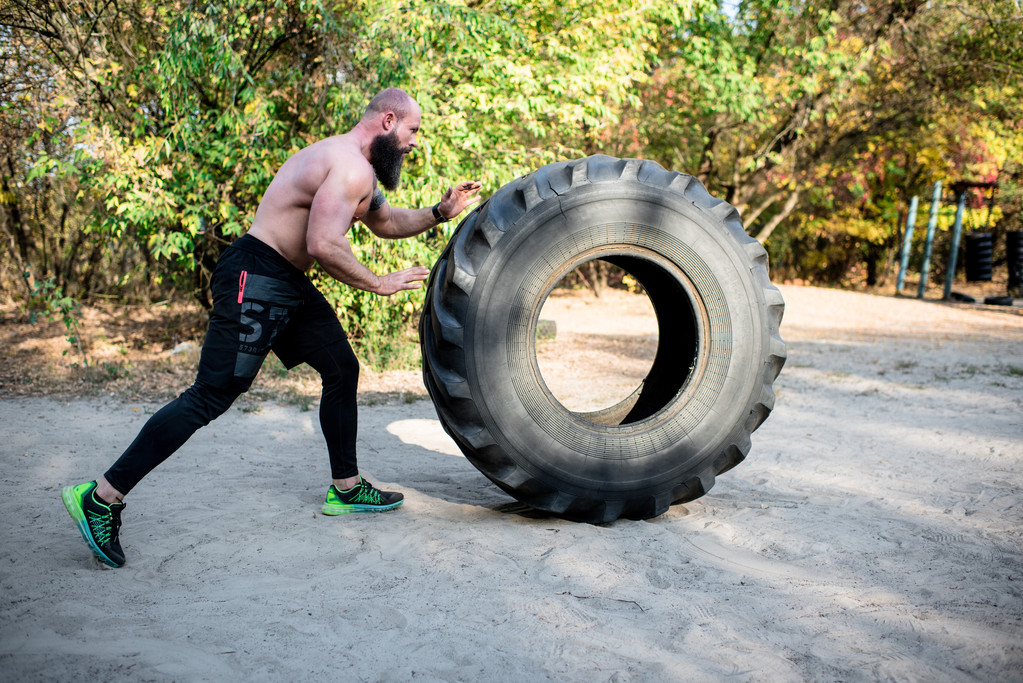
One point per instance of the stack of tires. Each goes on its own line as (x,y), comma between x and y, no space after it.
(979,254)
(710,384)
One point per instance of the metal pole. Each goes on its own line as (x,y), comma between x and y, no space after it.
(957,230)
(932,224)
(906,242)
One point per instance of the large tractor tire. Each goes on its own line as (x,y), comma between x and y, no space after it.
(709,386)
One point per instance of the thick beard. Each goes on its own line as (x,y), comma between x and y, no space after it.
(386,157)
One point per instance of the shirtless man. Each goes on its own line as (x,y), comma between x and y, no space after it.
(263,301)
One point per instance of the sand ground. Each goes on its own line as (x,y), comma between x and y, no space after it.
(875,532)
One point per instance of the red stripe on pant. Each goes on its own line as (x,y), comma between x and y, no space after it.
(241,284)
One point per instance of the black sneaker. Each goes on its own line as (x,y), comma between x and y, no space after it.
(97,521)
(363,497)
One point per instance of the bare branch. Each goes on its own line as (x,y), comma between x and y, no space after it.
(781,216)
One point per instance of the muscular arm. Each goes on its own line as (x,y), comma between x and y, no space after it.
(394,223)
(330,218)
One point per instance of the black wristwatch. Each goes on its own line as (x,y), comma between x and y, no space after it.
(438,216)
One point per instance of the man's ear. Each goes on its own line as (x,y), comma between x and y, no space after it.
(389,120)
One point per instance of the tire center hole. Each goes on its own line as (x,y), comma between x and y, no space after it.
(593,352)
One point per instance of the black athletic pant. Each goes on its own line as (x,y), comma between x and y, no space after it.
(260,303)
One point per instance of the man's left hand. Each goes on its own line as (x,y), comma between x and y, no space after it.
(457,198)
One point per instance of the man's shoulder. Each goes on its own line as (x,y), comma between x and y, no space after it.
(342,156)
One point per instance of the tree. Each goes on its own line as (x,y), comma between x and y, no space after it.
(137,136)
(819,119)
(178,119)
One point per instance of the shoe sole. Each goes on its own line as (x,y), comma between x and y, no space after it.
(74,508)
(332,510)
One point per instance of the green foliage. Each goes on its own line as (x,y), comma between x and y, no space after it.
(58,306)
(822,122)
(218,100)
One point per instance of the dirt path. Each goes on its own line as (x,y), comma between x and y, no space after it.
(874,532)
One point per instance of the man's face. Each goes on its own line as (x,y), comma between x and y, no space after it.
(386,157)
(389,149)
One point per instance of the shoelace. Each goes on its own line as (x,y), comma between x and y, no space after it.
(102,525)
(367,494)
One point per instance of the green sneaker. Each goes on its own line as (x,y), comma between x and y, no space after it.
(97,521)
(363,497)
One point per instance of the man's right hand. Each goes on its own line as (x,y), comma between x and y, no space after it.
(401,280)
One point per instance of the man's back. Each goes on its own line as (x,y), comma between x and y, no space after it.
(282,219)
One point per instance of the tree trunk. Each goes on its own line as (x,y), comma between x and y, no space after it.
(766,231)
(595,274)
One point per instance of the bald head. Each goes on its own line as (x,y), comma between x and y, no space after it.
(390,100)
